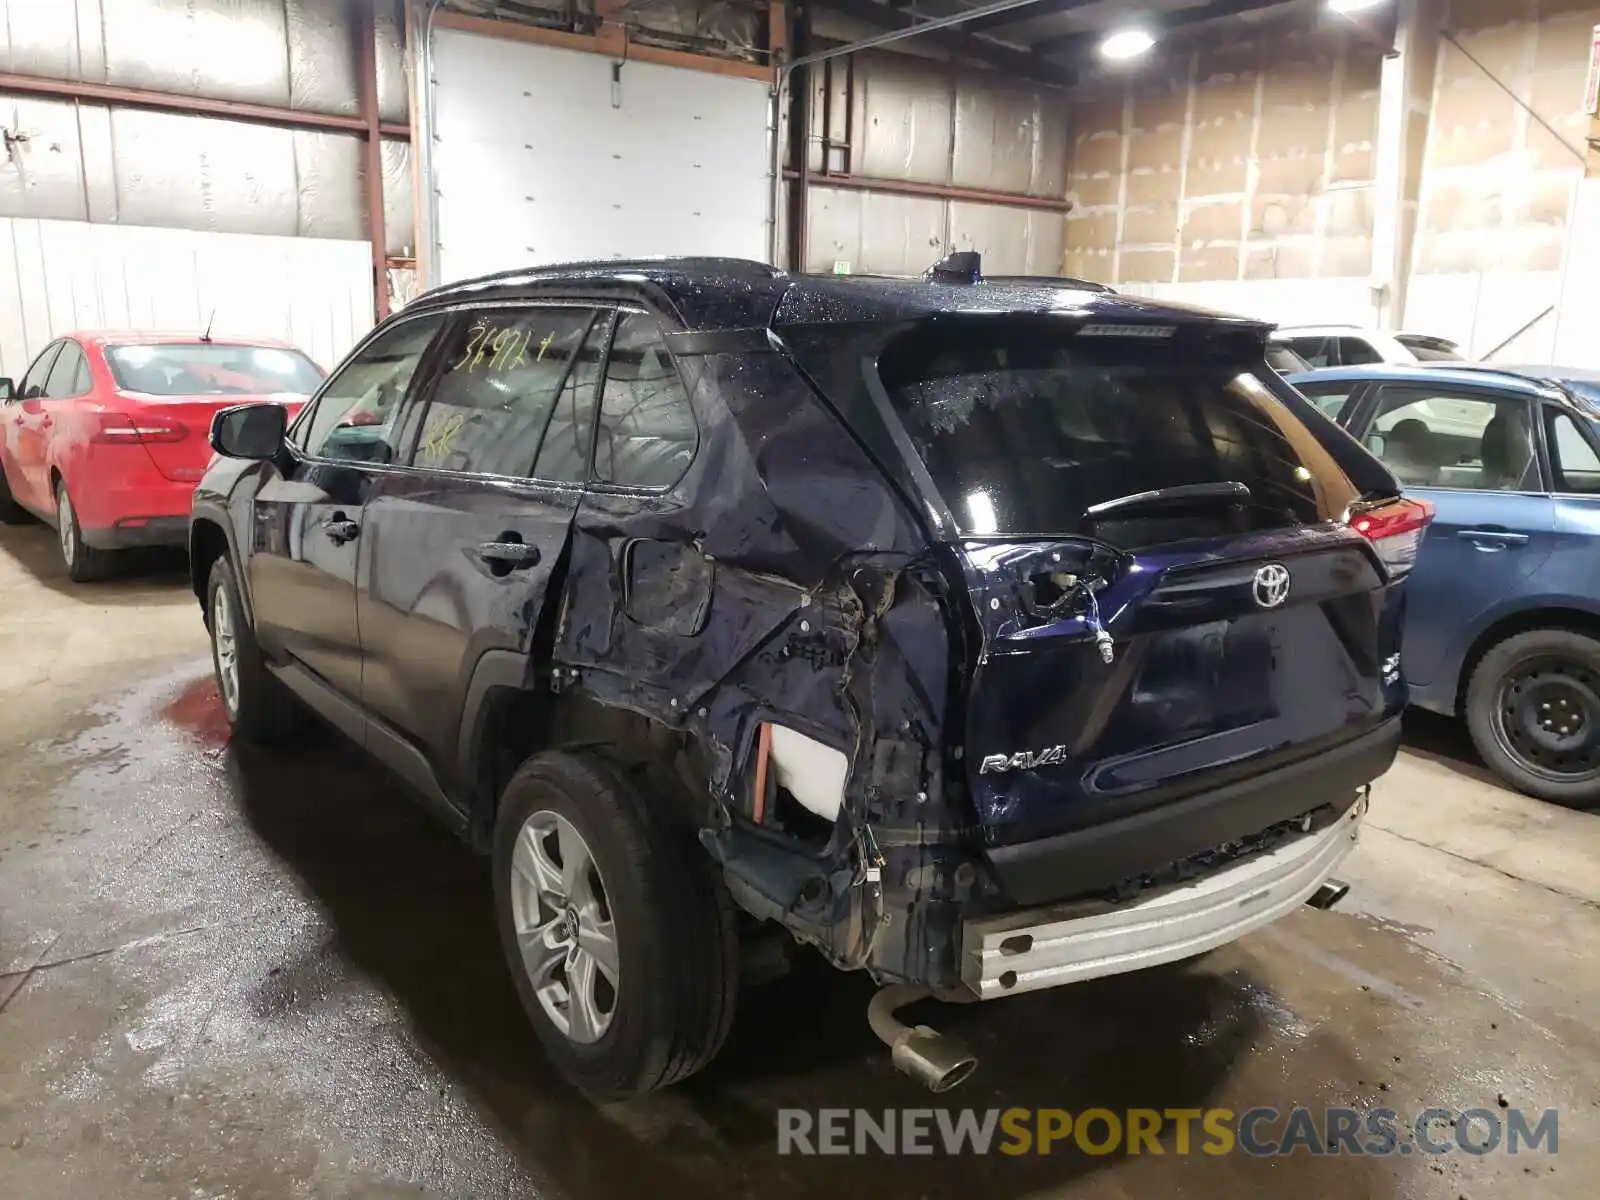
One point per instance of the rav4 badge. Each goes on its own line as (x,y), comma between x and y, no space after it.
(1023,760)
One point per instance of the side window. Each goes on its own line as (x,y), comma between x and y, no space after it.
(1430,437)
(647,435)
(1331,402)
(1572,457)
(564,453)
(355,418)
(502,372)
(1357,352)
(1318,351)
(67,373)
(32,385)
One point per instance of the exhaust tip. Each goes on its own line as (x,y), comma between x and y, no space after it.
(1328,894)
(937,1062)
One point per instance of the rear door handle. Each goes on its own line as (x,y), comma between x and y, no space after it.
(340,529)
(515,555)
(1493,539)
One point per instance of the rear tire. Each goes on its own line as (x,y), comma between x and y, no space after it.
(11,513)
(258,707)
(85,564)
(1533,709)
(673,939)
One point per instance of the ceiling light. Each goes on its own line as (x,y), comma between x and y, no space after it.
(1345,7)
(1131,43)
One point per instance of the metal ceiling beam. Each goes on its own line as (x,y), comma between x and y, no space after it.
(192,106)
(943,32)
(1076,43)
(1044,8)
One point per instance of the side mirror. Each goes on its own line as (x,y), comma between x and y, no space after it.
(249,430)
(8,389)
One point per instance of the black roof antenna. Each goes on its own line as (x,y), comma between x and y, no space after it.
(959,266)
(210,321)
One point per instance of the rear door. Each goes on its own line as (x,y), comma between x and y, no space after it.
(460,543)
(32,431)
(1471,452)
(1153,543)
(308,521)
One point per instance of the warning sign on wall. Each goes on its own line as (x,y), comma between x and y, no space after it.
(1591,89)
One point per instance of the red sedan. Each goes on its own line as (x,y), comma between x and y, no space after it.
(106,435)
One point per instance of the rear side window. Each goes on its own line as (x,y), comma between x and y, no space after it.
(1318,351)
(502,370)
(1449,438)
(1572,456)
(1355,352)
(70,375)
(647,433)
(1025,428)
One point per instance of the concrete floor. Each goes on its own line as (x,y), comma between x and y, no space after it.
(226,974)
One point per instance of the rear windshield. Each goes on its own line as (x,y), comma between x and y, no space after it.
(1429,349)
(1024,428)
(212,369)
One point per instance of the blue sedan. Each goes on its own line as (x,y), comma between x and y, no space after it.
(1503,617)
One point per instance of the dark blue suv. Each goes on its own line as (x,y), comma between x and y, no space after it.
(1503,623)
(723,606)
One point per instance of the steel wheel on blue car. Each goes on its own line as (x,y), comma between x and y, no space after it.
(1533,707)
(620,937)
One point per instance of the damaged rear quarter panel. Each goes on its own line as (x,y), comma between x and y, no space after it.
(819,607)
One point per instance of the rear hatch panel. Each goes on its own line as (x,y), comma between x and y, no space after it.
(1166,472)
(1205,685)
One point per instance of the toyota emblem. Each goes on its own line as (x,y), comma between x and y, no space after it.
(1272,585)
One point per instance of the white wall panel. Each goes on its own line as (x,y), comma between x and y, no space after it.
(57,276)
(539,158)
(1281,301)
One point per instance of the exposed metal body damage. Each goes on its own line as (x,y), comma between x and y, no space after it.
(804,592)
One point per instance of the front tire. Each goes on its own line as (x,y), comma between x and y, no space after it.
(1533,709)
(85,564)
(620,938)
(258,707)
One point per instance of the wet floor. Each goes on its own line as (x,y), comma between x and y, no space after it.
(226,973)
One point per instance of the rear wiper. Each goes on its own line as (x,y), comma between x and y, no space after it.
(1228,492)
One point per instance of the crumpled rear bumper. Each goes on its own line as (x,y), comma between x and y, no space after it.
(1043,947)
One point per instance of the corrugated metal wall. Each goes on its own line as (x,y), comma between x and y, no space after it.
(922,121)
(81,161)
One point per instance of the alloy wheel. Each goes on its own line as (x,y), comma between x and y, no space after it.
(226,645)
(65,524)
(564,927)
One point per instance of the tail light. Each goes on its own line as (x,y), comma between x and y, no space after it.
(121,428)
(1395,529)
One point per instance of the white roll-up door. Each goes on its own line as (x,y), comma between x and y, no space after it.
(549,155)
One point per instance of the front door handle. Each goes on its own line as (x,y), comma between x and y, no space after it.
(514,555)
(340,529)
(1493,539)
